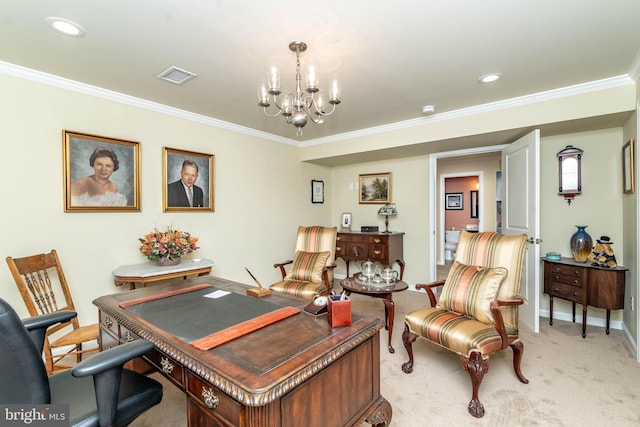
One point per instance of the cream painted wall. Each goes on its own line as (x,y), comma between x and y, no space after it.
(599,206)
(262,192)
(410,192)
(630,244)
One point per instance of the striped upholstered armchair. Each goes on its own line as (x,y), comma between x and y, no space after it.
(311,269)
(476,313)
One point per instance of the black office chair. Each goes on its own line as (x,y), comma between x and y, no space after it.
(98,390)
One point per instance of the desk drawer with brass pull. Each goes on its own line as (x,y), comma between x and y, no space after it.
(216,401)
(169,367)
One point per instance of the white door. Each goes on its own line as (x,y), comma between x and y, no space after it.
(521,215)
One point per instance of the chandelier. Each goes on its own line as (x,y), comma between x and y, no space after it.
(301,105)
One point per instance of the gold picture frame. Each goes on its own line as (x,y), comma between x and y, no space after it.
(101,174)
(174,193)
(628,168)
(375,188)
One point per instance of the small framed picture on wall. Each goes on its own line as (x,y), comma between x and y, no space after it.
(317,191)
(453,201)
(346,221)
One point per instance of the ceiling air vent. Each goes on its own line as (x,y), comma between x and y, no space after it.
(176,75)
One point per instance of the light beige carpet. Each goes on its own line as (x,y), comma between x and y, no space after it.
(572,381)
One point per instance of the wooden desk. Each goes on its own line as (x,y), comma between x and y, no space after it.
(584,284)
(385,248)
(296,370)
(149,272)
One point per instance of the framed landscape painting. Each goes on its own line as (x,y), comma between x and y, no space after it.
(375,188)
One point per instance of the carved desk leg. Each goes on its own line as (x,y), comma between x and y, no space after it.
(381,414)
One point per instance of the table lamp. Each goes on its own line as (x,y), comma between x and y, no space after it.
(386,210)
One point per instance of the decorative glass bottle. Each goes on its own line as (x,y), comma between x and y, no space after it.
(581,244)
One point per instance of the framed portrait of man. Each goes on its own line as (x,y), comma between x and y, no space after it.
(101,174)
(187,181)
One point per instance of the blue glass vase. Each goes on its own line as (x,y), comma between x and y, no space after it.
(581,244)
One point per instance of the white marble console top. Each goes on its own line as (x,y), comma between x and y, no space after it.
(150,269)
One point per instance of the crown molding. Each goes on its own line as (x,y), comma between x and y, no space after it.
(634,71)
(86,89)
(549,95)
(63,83)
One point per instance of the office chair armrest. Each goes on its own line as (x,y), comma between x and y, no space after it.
(106,368)
(429,288)
(37,325)
(111,358)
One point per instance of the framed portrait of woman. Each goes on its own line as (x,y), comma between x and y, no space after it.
(187,181)
(101,174)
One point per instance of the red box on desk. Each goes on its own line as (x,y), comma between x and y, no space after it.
(339,311)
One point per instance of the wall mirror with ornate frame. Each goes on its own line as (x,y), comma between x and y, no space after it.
(569,172)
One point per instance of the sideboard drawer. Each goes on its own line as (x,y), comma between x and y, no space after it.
(568,270)
(565,279)
(357,250)
(378,240)
(378,253)
(568,292)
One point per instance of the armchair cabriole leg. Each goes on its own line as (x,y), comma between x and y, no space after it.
(477,367)
(518,349)
(408,338)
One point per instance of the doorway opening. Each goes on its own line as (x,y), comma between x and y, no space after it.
(483,163)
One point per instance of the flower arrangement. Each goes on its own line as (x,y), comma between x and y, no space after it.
(170,244)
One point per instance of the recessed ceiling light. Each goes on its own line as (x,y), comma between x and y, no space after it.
(489,78)
(65,27)
(428,109)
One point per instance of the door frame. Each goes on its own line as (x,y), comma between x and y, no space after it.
(433,193)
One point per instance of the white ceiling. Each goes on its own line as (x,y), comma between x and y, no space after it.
(391,57)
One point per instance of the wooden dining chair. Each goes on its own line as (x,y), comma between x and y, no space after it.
(44,289)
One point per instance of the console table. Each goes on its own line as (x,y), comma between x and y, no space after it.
(149,272)
(385,248)
(584,284)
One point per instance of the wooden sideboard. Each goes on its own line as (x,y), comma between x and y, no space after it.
(584,284)
(385,248)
